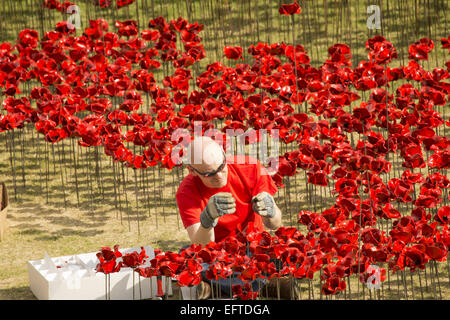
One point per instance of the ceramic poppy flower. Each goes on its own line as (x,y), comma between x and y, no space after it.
(53,4)
(134,259)
(65,28)
(443,215)
(233,53)
(188,278)
(437,252)
(123,3)
(318,178)
(333,285)
(290,9)
(381,50)
(420,49)
(413,257)
(107,258)
(244,292)
(446,43)
(103,3)
(340,53)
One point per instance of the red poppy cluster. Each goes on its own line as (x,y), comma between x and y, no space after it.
(57,5)
(330,249)
(62,6)
(290,9)
(108,259)
(88,73)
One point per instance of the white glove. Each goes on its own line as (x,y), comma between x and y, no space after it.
(264,205)
(218,205)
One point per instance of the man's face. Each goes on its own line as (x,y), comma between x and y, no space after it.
(213,175)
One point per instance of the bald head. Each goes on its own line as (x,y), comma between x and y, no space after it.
(204,151)
(207,161)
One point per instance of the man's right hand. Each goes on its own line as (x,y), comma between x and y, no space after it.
(218,205)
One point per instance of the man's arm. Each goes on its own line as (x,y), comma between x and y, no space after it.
(264,205)
(218,205)
(200,235)
(274,222)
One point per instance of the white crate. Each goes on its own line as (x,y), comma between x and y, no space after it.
(74,278)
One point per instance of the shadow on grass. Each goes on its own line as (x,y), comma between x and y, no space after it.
(18,293)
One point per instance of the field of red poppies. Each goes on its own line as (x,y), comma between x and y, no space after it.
(87,128)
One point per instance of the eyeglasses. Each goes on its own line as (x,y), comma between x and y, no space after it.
(212,173)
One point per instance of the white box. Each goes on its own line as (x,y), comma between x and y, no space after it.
(189,293)
(74,278)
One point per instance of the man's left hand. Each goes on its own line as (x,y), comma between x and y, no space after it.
(264,205)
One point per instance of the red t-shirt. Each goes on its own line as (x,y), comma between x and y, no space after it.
(245,180)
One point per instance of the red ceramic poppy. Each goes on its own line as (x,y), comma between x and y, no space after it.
(420,49)
(290,9)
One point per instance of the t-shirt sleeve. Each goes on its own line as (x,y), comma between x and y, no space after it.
(264,181)
(188,202)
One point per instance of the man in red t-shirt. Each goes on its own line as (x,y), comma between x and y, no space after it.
(222,195)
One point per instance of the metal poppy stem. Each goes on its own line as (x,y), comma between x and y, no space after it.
(349,288)
(22,154)
(62,179)
(63,167)
(12,161)
(124,188)
(137,200)
(38,156)
(278,288)
(404,284)
(448,268)
(151,287)
(420,283)
(102,187)
(147,196)
(47,172)
(291,289)
(115,187)
(363,292)
(432,283)
(309,289)
(437,278)
(118,191)
(166,287)
(140,287)
(132,273)
(90,182)
(320,284)
(154,188)
(231,287)
(217,289)
(426,279)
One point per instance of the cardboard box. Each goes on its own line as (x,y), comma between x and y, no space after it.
(4,202)
(75,278)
